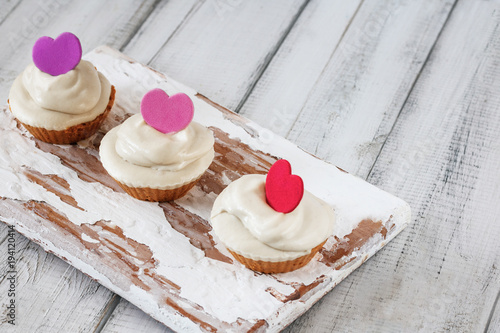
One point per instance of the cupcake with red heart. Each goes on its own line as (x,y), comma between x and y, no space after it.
(60,98)
(160,153)
(269,223)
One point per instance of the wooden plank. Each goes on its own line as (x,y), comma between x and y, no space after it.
(167,18)
(318,17)
(95,22)
(291,75)
(129,318)
(493,324)
(225,45)
(7,7)
(159,28)
(143,47)
(128,246)
(442,157)
(344,108)
(50,295)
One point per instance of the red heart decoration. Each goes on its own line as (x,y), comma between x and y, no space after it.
(283,190)
(167,114)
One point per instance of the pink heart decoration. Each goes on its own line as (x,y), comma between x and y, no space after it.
(284,191)
(57,56)
(167,114)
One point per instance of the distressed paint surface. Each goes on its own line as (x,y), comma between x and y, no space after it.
(375,297)
(52,294)
(52,206)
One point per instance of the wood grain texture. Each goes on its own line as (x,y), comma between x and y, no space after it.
(95,22)
(307,34)
(442,156)
(129,318)
(376,297)
(128,246)
(344,108)
(225,45)
(159,27)
(290,77)
(70,300)
(493,323)
(103,23)
(7,6)
(52,294)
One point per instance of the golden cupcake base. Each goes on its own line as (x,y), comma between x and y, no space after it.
(152,194)
(271,267)
(74,133)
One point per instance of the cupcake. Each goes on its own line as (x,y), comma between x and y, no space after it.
(269,223)
(60,98)
(160,153)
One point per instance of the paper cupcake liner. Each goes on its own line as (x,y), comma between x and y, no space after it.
(152,194)
(271,267)
(74,133)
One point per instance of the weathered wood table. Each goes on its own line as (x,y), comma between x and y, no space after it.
(401,93)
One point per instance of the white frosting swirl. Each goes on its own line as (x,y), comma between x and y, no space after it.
(137,155)
(75,92)
(59,102)
(142,145)
(269,234)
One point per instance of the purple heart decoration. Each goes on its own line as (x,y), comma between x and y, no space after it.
(167,114)
(57,56)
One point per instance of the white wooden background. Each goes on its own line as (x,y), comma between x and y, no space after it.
(403,93)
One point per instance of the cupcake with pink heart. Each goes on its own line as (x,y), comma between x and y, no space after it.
(60,98)
(160,153)
(269,223)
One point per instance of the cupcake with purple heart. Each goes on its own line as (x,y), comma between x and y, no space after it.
(60,98)
(160,153)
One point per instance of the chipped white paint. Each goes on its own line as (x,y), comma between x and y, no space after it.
(52,295)
(235,292)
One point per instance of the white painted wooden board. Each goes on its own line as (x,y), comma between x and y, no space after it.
(142,48)
(493,324)
(7,7)
(347,290)
(166,19)
(95,22)
(367,219)
(301,59)
(287,82)
(442,273)
(129,318)
(30,21)
(341,101)
(225,45)
(49,293)
(49,301)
